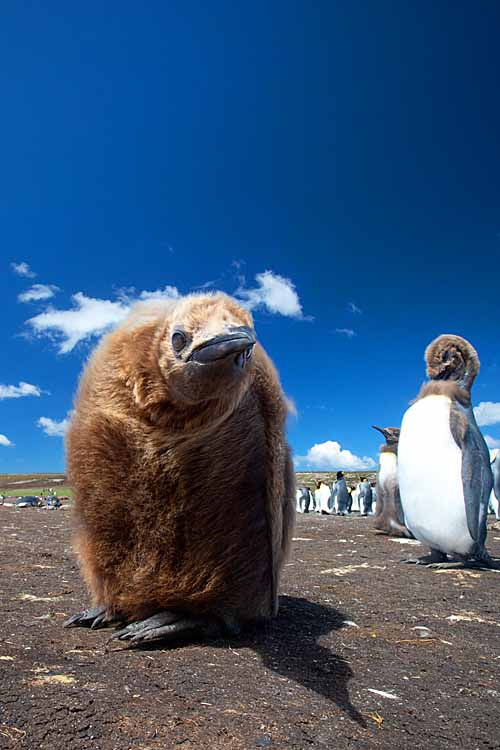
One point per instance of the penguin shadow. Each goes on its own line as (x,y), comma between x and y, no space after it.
(288,646)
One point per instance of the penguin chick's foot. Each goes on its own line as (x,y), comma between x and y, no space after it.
(170,625)
(94,618)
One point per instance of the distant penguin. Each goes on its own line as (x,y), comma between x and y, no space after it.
(303,495)
(365,495)
(389,516)
(340,494)
(356,499)
(312,501)
(444,470)
(298,498)
(323,497)
(494,503)
(350,490)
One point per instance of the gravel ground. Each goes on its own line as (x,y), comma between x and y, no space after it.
(365,653)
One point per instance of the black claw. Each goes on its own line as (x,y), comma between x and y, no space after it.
(86,619)
(122,635)
(72,621)
(100,622)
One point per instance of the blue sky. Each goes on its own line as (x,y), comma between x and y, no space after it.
(350,149)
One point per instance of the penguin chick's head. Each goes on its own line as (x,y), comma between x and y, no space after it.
(451,357)
(206,348)
(391,434)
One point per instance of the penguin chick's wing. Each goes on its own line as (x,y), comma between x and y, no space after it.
(280,491)
(476,474)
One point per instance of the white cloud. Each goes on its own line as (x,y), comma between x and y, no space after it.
(168,292)
(346,332)
(18,391)
(52,427)
(487,412)
(331,456)
(23,269)
(91,317)
(5,441)
(274,292)
(354,308)
(38,292)
(492,442)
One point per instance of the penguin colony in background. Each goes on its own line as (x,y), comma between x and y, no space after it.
(183,480)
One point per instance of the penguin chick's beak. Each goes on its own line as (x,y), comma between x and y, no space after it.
(380,429)
(236,342)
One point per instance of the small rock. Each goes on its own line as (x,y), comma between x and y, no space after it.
(422,631)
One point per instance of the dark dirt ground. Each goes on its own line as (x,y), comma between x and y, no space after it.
(345,628)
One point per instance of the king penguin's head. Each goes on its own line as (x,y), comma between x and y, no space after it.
(451,357)
(391,434)
(206,350)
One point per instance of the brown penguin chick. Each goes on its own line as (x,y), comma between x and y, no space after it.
(183,480)
(389,516)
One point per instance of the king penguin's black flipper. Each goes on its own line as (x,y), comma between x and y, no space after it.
(477,479)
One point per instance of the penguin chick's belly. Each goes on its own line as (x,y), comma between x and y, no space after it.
(430,478)
(388,469)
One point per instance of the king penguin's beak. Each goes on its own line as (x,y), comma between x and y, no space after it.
(236,342)
(380,429)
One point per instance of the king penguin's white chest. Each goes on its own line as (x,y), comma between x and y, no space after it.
(430,477)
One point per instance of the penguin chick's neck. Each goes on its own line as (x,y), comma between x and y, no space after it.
(388,466)
(448,388)
(393,448)
(195,422)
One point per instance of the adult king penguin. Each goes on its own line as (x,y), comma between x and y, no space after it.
(444,470)
(389,517)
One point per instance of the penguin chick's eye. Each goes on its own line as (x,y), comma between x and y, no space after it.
(179,341)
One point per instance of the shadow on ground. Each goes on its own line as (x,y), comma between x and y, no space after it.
(288,646)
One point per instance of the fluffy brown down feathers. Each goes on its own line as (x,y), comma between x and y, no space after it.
(388,510)
(451,357)
(183,481)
